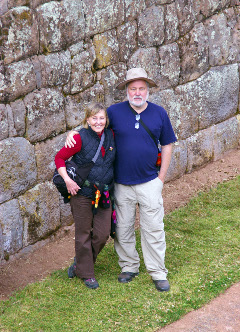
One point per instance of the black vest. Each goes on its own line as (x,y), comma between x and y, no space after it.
(102,171)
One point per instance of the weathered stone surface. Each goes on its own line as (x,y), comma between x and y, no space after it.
(206,8)
(3,84)
(55,69)
(133,8)
(200,149)
(20,37)
(40,212)
(12,227)
(82,76)
(171,23)
(16,3)
(35,3)
(110,77)
(20,79)
(61,24)
(226,137)
(74,110)
(126,33)
(170,102)
(158,2)
(106,48)
(11,130)
(219,39)
(147,58)
(19,114)
(45,114)
(3,122)
(65,213)
(102,15)
(233,21)
(170,65)
(217,95)
(45,154)
(1,244)
(193,51)
(3,7)
(151,27)
(178,163)
(17,167)
(76,104)
(186,15)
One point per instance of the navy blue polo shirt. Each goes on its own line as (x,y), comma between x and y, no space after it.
(136,153)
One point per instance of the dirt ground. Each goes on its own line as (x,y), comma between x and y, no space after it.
(38,261)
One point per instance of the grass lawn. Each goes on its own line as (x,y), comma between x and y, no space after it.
(203,259)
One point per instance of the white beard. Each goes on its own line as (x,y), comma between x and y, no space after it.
(132,102)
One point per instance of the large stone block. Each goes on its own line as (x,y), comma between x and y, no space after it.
(210,99)
(45,154)
(16,3)
(151,27)
(106,49)
(178,163)
(82,76)
(171,23)
(3,122)
(226,137)
(133,8)
(233,21)
(220,42)
(3,7)
(20,37)
(12,228)
(17,167)
(186,15)
(55,69)
(110,77)
(147,58)
(183,119)
(125,33)
(206,8)
(200,149)
(45,114)
(19,80)
(170,65)
(102,15)
(40,212)
(217,94)
(19,115)
(61,24)
(193,51)
(65,213)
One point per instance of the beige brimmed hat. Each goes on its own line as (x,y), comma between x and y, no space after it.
(136,74)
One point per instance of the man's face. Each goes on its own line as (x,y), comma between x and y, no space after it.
(137,93)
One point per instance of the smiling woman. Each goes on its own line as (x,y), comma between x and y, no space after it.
(90,204)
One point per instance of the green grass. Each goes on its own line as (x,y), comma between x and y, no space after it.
(203,259)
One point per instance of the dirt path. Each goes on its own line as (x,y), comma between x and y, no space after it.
(56,253)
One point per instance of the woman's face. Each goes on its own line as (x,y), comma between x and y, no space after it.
(98,121)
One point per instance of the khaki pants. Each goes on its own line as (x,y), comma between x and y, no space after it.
(149,197)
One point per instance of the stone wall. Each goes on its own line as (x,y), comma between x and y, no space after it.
(56,56)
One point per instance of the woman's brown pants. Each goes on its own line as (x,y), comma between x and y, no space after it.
(91,233)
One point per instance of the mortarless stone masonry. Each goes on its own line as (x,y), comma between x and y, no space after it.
(56,56)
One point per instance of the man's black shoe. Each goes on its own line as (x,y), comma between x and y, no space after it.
(127,276)
(162,285)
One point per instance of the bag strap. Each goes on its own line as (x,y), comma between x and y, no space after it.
(99,148)
(145,127)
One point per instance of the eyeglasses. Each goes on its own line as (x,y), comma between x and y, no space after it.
(137,119)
